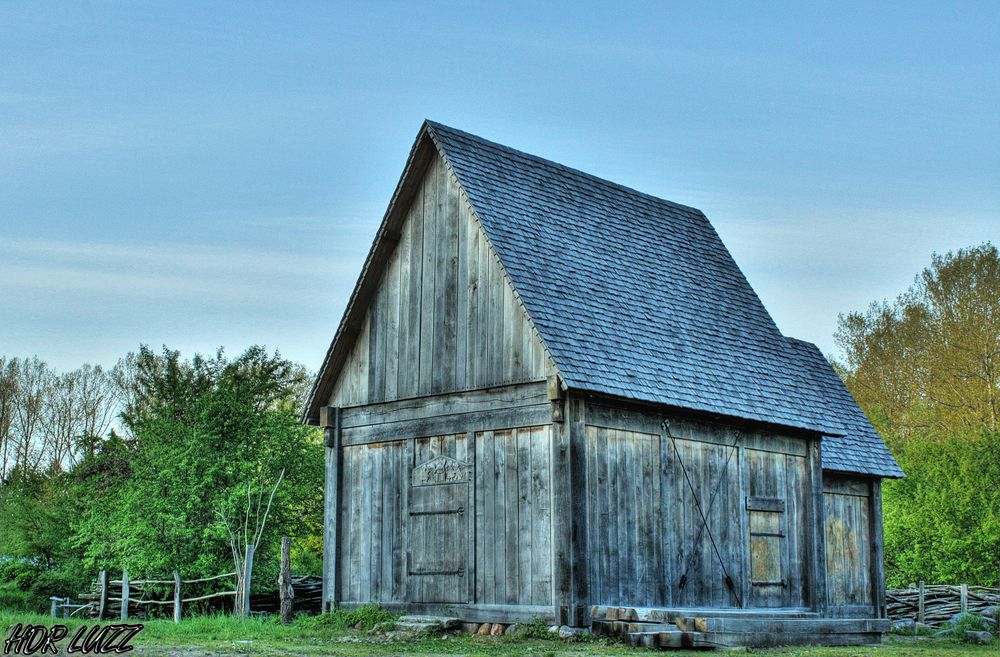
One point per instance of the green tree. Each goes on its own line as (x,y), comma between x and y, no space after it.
(201,431)
(926,370)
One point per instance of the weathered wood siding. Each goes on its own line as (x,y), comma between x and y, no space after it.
(778,520)
(444,316)
(848,524)
(514,516)
(373,509)
(476,530)
(644,526)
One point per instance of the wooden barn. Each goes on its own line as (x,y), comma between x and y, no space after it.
(554,397)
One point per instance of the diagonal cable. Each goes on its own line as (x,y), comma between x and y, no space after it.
(665,425)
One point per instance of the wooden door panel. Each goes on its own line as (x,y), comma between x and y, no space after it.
(776,487)
(438,521)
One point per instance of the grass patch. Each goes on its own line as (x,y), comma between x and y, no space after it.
(333,634)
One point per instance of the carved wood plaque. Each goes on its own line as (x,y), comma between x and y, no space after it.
(440,470)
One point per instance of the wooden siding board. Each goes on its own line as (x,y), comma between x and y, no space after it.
(443,316)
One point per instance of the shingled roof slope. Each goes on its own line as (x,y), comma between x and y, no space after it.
(860,449)
(634,296)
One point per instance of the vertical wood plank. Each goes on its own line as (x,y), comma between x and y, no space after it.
(512,507)
(815,523)
(577,422)
(102,585)
(428,280)
(177,597)
(125,595)
(878,549)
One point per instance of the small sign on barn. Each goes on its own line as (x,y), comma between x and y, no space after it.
(552,396)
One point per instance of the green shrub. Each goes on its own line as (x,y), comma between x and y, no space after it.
(368,617)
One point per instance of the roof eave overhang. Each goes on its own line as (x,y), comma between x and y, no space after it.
(421,154)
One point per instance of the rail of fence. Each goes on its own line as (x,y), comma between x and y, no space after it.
(126,598)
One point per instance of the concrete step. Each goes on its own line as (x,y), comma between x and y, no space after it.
(422,623)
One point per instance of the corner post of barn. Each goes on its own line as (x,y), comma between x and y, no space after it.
(331,422)
(817,533)
(878,550)
(562,545)
(573,508)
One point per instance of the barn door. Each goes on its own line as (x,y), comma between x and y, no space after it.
(777,521)
(439,514)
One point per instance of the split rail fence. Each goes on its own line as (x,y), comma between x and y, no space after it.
(935,604)
(139,598)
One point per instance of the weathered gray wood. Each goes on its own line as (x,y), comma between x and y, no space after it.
(247,580)
(576,422)
(878,549)
(440,315)
(602,414)
(431,242)
(562,494)
(102,586)
(814,519)
(470,401)
(410,183)
(177,597)
(286,594)
(848,545)
(479,421)
(921,603)
(125,595)
(332,542)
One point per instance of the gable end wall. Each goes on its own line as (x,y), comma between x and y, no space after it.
(444,317)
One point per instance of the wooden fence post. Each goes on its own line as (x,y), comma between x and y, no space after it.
(963,593)
(921,610)
(286,593)
(54,607)
(247,573)
(177,596)
(102,585)
(125,594)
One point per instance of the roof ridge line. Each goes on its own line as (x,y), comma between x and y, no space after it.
(434,125)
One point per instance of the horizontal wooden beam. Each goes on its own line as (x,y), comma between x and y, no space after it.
(683,428)
(525,416)
(467,401)
(468,613)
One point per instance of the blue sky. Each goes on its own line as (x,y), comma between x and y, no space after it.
(207,175)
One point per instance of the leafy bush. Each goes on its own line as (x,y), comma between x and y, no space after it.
(368,617)
(536,629)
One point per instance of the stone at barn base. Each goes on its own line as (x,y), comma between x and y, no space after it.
(497,630)
(513,629)
(904,625)
(978,637)
(429,623)
(567,632)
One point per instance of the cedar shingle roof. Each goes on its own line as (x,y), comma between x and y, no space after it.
(638,297)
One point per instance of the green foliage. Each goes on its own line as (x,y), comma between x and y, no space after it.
(536,629)
(926,371)
(367,617)
(206,434)
(200,436)
(942,522)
